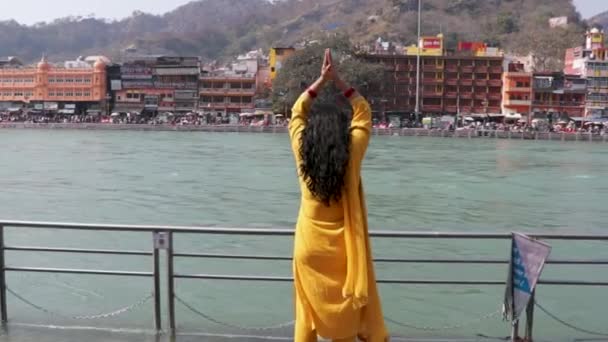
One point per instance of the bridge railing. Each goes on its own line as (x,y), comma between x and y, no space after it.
(163,236)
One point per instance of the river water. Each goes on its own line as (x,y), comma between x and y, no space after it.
(248,180)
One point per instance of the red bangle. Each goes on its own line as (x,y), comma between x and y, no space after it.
(312,93)
(349,92)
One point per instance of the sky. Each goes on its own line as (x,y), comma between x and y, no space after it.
(21,10)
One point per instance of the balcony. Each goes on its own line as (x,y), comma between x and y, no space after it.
(494,96)
(451,68)
(466,81)
(509,102)
(432,108)
(517,74)
(466,95)
(526,90)
(466,68)
(557,104)
(431,67)
(227,91)
(451,109)
(451,81)
(480,96)
(432,81)
(404,67)
(495,83)
(465,109)
(451,94)
(481,69)
(431,93)
(495,69)
(494,110)
(481,83)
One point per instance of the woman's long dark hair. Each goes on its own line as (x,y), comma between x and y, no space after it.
(324,150)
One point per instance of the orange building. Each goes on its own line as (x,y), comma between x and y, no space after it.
(227,93)
(517,91)
(50,88)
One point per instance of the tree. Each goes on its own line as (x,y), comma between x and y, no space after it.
(547,46)
(302,68)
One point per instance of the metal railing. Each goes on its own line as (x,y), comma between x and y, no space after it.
(163,240)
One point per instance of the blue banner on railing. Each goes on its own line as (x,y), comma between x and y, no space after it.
(528,257)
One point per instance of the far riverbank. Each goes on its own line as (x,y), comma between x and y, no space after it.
(420,132)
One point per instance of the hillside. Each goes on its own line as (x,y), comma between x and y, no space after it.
(216,28)
(601,19)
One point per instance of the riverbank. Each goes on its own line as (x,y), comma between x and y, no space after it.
(419,132)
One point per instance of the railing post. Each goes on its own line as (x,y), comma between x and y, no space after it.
(170,283)
(156,270)
(530,317)
(3,315)
(515,331)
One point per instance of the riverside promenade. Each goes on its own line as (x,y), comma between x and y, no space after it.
(410,132)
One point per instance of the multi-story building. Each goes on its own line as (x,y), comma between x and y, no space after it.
(158,84)
(51,88)
(277,56)
(227,93)
(10,61)
(517,90)
(558,94)
(448,84)
(591,62)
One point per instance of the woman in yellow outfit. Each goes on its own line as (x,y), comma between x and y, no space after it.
(336,294)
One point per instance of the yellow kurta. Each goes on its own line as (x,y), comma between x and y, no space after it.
(336,293)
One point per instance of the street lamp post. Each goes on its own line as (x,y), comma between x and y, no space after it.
(417,108)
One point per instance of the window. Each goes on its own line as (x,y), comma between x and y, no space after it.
(247,99)
(18,93)
(51,93)
(69,93)
(87,80)
(7,80)
(59,93)
(51,80)
(78,94)
(87,94)
(58,80)
(234,99)
(7,94)
(218,99)
(78,80)
(206,99)
(118,97)
(129,95)
(69,80)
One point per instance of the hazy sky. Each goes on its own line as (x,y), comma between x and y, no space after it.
(32,11)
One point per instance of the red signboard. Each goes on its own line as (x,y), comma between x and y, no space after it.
(431,43)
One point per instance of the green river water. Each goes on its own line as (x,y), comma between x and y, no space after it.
(248,180)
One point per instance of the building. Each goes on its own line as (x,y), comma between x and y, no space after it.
(153,84)
(277,57)
(541,94)
(558,94)
(10,62)
(517,90)
(591,62)
(226,93)
(49,88)
(449,84)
